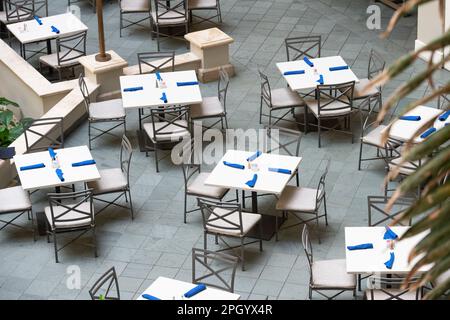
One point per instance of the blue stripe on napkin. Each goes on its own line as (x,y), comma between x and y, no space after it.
(308,62)
(187,83)
(361,246)
(410,118)
(279,170)
(428,132)
(52,153)
(33,166)
(338,68)
(389,234)
(55,29)
(444,116)
(60,174)
(163,97)
(251,183)
(38,20)
(234,165)
(390,262)
(293,72)
(149,297)
(195,290)
(254,156)
(320,81)
(158,76)
(83,163)
(133,89)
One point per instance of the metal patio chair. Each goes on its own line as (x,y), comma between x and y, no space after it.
(106,287)
(299,47)
(132,7)
(384,288)
(204,5)
(44,133)
(377,213)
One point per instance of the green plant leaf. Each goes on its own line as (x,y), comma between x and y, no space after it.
(6,117)
(6,102)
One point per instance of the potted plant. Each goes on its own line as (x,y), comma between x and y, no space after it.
(10,126)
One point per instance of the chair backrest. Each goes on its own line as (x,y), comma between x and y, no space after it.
(126,151)
(71,48)
(213,269)
(217,215)
(376,64)
(106,287)
(266,93)
(392,288)
(188,165)
(299,47)
(377,208)
(444,101)
(85,92)
(71,212)
(279,139)
(169,12)
(306,243)
(150,62)
(222,87)
(44,133)
(341,93)
(17,11)
(394,154)
(320,191)
(171,117)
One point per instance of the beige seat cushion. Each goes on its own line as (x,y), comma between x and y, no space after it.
(14,199)
(198,187)
(52,59)
(135,5)
(171,132)
(297,199)
(85,220)
(249,220)
(374,137)
(332,274)
(313,106)
(200,4)
(285,97)
(170,18)
(359,89)
(381,295)
(110,180)
(110,109)
(209,107)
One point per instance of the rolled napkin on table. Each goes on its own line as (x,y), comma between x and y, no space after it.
(320,81)
(55,29)
(133,89)
(234,165)
(389,234)
(428,132)
(163,97)
(83,163)
(187,83)
(293,72)
(158,76)
(444,116)
(195,290)
(308,62)
(38,20)
(410,118)
(52,153)
(361,246)
(251,183)
(33,166)
(279,170)
(390,262)
(254,156)
(60,174)
(149,297)
(338,68)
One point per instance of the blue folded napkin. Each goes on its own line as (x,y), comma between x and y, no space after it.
(83,163)
(187,83)
(389,234)
(52,153)
(289,73)
(410,118)
(158,76)
(234,165)
(308,62)
(320,81)
(38,20)
(338,68)
(133,89)
(444,116)
(253,157)
(390,262)
(60,174)
(55,29)
(149,297)
(163,97)
(251,183)
(279,170)
(361,246)
(195,290)
(33,166)
(428,132)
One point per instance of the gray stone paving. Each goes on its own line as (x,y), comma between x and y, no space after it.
(157,242)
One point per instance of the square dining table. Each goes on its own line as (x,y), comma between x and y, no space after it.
(170,289)
(30,31)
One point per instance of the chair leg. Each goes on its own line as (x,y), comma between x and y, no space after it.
(89,135)
(94,241)
(325,209)
(243,199)
(216,239)
(260,236)
(205,240)
(131,205)
(121,25)
(185,207)
(360,155)
(260,111)
(156,157)
(55,247)
(317,226)
(242,254)
(310,293)
(318,130)
(297,178)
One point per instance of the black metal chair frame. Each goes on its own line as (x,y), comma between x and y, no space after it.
(55,143)
(134,23)
(294,49)
(444,101)
(386,283)
(218,15)
(377,204)
(19,214)
(109,278)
